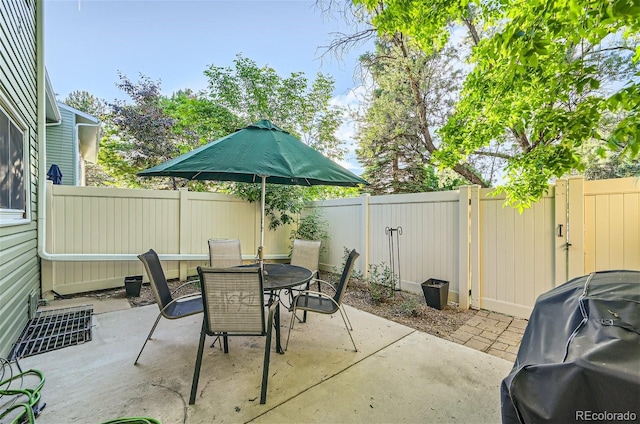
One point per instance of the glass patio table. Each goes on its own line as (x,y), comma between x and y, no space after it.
(279,277)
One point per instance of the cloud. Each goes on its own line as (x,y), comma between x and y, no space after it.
(352,99)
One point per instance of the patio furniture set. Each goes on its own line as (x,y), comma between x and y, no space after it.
(240,299)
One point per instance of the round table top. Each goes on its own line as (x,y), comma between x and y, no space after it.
(284,276)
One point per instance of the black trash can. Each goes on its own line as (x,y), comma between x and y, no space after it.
(132,285)
(436,293)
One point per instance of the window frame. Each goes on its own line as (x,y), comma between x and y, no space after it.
(9,217)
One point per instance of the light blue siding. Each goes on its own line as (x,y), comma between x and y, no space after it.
(61,147)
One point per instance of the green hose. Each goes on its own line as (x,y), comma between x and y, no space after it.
(32,395)
(29,408)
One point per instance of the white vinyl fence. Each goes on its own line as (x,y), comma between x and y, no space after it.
(493,257)
(94,233)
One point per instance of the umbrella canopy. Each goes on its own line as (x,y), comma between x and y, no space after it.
(260,149)
(260,152)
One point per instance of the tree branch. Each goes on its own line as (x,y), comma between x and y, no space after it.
(493,154)
(522,139)
(472,30)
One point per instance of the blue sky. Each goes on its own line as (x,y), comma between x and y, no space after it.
(88,41)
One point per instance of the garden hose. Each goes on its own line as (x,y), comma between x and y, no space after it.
(133,420)
(28,410)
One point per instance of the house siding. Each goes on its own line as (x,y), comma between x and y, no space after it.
(61,149)
(19,263)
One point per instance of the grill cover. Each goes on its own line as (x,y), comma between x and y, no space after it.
(579,359)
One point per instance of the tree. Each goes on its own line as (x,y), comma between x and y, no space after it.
(413,95)
(613,165)
(197,120)
(293,103)
(156,128)
(542,80)
(141,134)
(87,103)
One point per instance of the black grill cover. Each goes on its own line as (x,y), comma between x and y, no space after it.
(579,359)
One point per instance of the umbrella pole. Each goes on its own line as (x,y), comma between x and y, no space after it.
(261,248)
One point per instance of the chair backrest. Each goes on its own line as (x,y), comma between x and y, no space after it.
(157,278)
(224,253)
(233,300)
(306,253)
(346,275)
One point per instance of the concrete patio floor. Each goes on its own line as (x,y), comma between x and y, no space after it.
(398,375)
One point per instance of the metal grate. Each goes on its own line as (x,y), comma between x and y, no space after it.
(54,329)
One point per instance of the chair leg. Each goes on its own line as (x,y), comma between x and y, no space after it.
(148,337)
(347,316)
(225,341)
(342,313)
(196,371)
(267,355)
(293,319)
(217,339)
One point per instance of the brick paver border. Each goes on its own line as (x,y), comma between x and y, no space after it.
(496,334)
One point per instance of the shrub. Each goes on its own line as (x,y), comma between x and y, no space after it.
(411,307)
(382,283)
(312,227)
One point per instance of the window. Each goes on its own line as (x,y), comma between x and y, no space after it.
(12,165)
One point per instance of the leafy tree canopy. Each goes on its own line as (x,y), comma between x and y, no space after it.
(545,75)
(413,95)
(197,120)
(293,103)
(87,103)
(142,134)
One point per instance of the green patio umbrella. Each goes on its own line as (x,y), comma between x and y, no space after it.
(260,152)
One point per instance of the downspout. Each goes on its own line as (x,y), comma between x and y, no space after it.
(41,95)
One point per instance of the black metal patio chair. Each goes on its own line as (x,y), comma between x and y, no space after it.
(322,303)
(224,253)
(306,253)
(233,306)
(170,307)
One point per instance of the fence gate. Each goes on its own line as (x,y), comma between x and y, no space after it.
(602,227)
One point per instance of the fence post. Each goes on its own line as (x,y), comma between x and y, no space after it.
(364,238)
(576,253)
(560,231)
(464,239)
(474,248)
(183,230)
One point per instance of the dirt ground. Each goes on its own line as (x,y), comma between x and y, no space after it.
(405,308)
